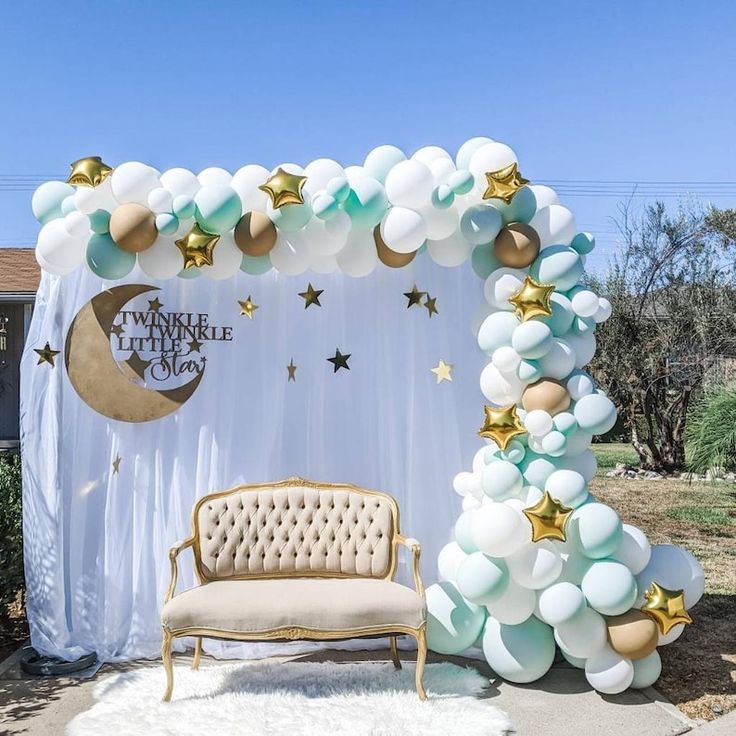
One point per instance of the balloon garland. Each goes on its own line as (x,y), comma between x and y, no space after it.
(536,562)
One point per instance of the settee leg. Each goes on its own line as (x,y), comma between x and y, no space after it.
(197,653)
(421,637)
(168,665)
(394,652)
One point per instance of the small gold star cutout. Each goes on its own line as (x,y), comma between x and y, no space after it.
(117,330)
(339,361)
(443,371)
(415,297)
(154,305)
(532,299)
(666,607)
(429,303)
(501,425)
(116,465)
(292,371)
(197,247)
(548,518)
(194,345)
(504,183)
(138,364)
(284,188)
(248,308)
(46,355)
(311,296)
(88,172)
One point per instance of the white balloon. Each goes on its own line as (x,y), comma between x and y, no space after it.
(544,195)
(77,225)
(584,347)
(674,568)
(501,480)
(429,154)
(163,260)
(226,258)
(538,422)
(479,460)
(319,172)
(328,237)
(506,359)
(160,200)
(214,176)
(585,303)
(180,181)
(672,635)
(500,389)
(489,158)
(450,251)
(448,561)
(468,148)
(496,331)
(583,635)
(380,161)
(443,224)
(501,285)
(514,606)
(89,199)
(133,182)
(403,230)
(561,602)
(554,224)
(634,550)
(568,487)
(442,169)
(585,463)
(245,182)
(604,310)
(290,255)
(646,671)
(359,256)
(323,264)
(461,483)
(559,362)
(535,565)
(409,184)
(59,252)
(579,385)
(470,503)
(608,672)
(497,529)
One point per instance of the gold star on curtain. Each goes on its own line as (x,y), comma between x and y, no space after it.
(504,183)
(415,297)
(532,299)
(339,361)
(116,465)
(311,296)
(46,355)
(197,247)
(292,371)
(284,188)
(548,518)
(443,371)
(501,425)
(154,305)
(88,172)
(666,607)
(248,308)
(430,303)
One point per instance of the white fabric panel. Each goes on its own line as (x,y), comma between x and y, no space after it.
(96,543)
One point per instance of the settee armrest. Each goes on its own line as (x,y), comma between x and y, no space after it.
(173,554)
(415,547)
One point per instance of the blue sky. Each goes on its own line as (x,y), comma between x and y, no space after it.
(630,91)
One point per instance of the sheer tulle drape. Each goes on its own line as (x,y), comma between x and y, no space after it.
(96,542)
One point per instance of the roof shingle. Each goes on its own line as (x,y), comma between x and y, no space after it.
(19,271)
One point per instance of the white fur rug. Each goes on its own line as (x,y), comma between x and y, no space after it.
(294,699)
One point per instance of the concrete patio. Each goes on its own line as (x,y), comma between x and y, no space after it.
(560,704)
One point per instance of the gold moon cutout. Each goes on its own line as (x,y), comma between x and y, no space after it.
(96,375)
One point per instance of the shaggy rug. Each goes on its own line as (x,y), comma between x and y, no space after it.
(294,699)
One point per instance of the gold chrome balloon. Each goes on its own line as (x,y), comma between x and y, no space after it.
(501,425)
(548,518)
(532,299)
(516,245)
(197,247)
(389,257)
(504,183)
(666,607)
(547,394)
(632,634)
(284,188)
(88,172)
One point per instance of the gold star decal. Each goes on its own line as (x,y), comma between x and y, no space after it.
(532,299)
(117,330)
(548,518)
(311,296)
(415,297)
(197,247)
(137,363)
(504,183)
(429,303)
(339,361)
(154,305)
(443,371)
(666,607)
(194,345)
(116,465)
(292,371)
(46,355)
(501,425)
(248,308)
(284,188)
(88,172)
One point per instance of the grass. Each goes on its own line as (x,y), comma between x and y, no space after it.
(610,453)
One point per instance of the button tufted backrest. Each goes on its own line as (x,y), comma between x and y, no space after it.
(295,530)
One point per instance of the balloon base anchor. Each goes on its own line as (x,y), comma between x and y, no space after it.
(33,663)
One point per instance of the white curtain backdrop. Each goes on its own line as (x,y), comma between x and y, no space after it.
(96,542)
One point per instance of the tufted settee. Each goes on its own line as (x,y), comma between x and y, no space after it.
(295,560)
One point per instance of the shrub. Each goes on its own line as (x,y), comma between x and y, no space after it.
(711,431)
(11,535)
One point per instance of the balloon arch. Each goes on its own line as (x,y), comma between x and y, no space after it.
(536,560)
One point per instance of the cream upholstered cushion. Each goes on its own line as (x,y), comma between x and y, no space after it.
(295,529)
(325,604)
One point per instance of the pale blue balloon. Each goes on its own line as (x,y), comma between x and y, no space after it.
(68,205)
(105,259)
(554,443)
(482,579)
(483,261)
(339,188)
(463,532)
(558,265)
(460,181)
(47,200)
(166,223)
(565,422)
(520,209)
(595,529)
(381,160)
(519,653)
(466,151)
(583,243)
(99,221)
(537,468)
(367,202)
(422,248)
(496,331)
(217,208)
(562,317)
(609,587)
(290,217)
(514,452)
(189,273)
(646,671)
(453,623)
(442,197)
(480,223)
(532,339)
(183,206)
(325,206)
(256,265)
(595,413)
(583,325)
(529,371)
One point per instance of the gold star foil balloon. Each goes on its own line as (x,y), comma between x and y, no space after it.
(532,299)
(88,172)
(501,425)
(548,518)
(504,183)
(284,188)
(666,607)
(197,247)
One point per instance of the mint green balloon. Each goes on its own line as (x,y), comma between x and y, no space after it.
(562,317)
(367,202)
(256,265)
(325,206)
(583,243)
(463,533)
(519,653)
(482,579)
(483,261)
(47,200)
(529,371)
(453,623)
(558,265)
(68,205)
(339,188)
(166,223)
(189,273)
(460,181)
(99,221)
(105,259)
(217,209)
(609,587)
(521,208)
(183,206)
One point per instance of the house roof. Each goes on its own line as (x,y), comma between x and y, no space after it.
(19,271)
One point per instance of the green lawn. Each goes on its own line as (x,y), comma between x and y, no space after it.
(610,453)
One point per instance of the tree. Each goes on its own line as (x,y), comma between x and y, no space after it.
(674,320)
